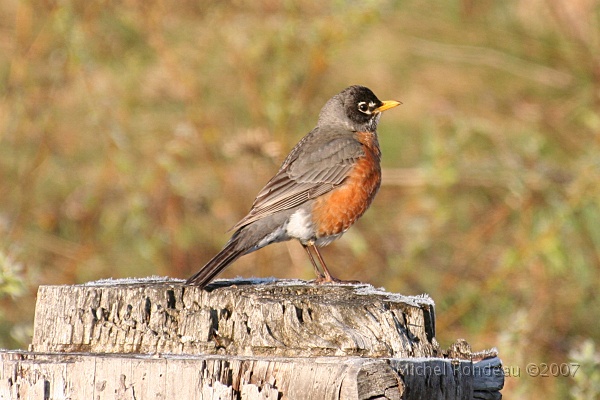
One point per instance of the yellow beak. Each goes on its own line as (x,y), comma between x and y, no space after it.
(387,105)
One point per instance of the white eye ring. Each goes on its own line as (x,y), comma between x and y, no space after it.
(363,107)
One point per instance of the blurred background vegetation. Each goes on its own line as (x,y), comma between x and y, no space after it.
(134,134)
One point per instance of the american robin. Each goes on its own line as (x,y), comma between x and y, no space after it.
(323,186)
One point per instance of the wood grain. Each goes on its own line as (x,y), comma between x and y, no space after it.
(283,318)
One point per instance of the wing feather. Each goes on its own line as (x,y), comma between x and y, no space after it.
(313,168)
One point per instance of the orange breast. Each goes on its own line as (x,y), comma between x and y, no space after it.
(336,211)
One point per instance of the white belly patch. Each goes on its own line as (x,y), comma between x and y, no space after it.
(300,226)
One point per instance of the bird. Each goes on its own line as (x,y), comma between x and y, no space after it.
(323,186)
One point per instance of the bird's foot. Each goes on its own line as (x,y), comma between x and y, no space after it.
(324,280)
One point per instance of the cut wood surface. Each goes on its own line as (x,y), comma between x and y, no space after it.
(274,318)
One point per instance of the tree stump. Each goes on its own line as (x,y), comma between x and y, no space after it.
(240,339)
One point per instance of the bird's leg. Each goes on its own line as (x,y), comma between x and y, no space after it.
(327,278)
(312,260)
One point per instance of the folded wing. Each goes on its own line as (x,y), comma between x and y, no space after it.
(309,172)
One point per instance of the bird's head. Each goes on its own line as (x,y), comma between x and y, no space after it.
(357,107)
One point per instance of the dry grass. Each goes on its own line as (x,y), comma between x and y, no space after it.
(134,134)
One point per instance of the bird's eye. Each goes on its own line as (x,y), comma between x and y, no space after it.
(363,107)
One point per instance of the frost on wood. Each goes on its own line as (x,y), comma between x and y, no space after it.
(241,317)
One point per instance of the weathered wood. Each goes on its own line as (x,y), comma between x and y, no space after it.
(283,318)
(156,338)
(110,376)
(117,376)
(488,379)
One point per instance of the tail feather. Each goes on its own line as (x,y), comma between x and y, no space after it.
(229,254)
